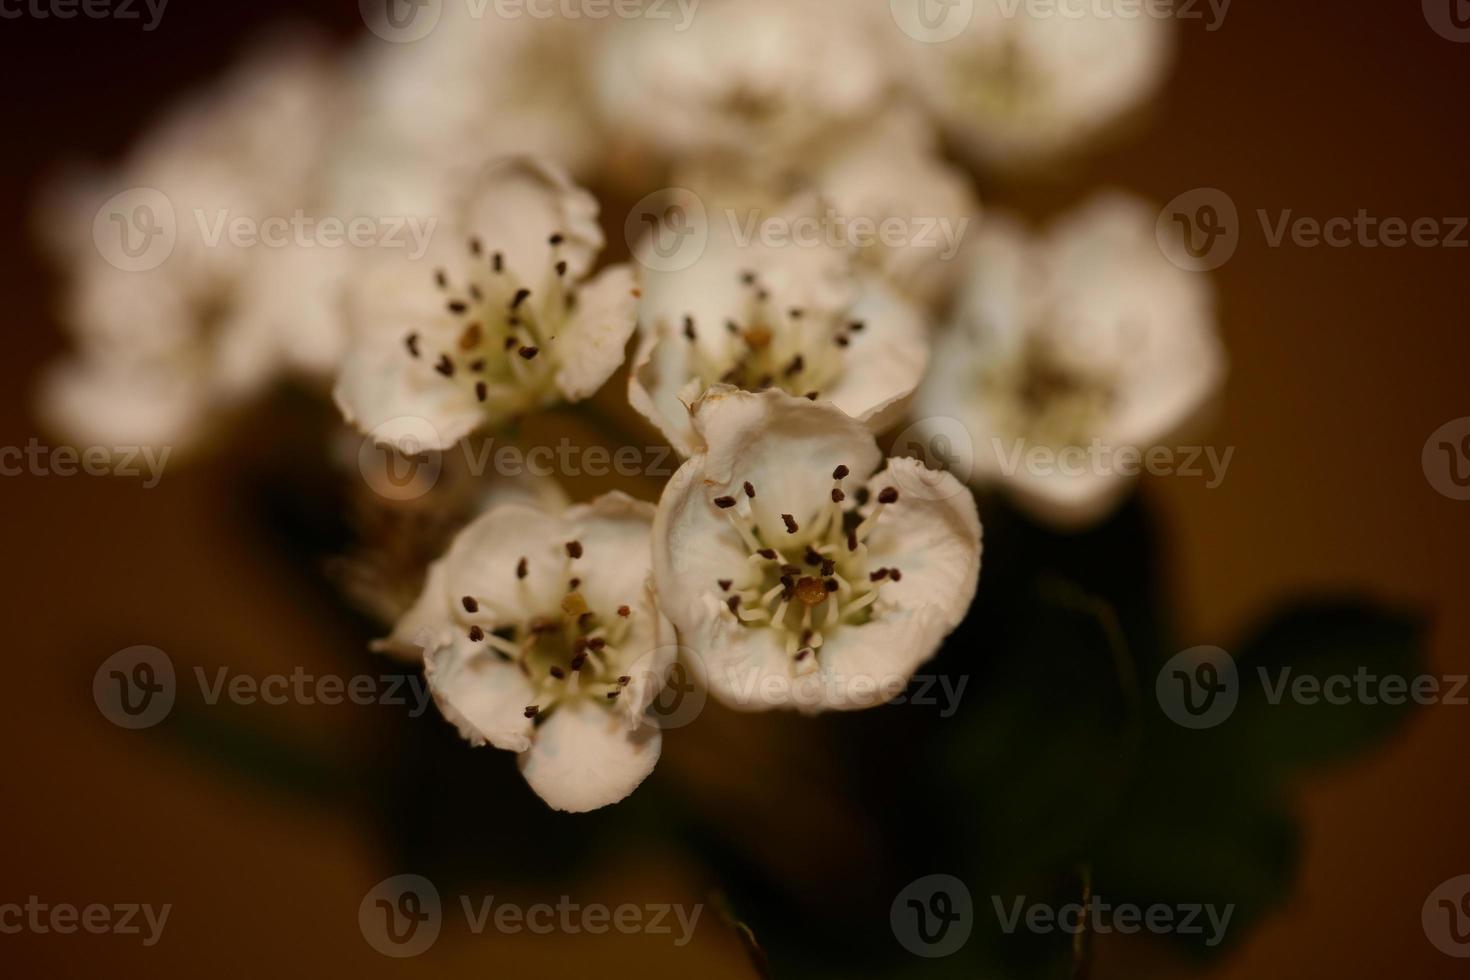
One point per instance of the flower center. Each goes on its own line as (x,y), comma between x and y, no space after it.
(498,330)
(563,646)
(1047,401)
(791,348)
(808,581)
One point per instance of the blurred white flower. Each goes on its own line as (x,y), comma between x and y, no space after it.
(1086,335)
(477,87)
(1019,85)
(799,576)
(497,319)
(760,81)
(793,312)
(164,346)
(541,637)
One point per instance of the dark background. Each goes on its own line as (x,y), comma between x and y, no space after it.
(1344,361)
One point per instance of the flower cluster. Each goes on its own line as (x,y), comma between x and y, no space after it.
(787,564)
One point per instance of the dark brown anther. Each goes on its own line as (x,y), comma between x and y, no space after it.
(597,643)
(795,367)
(828,566)
(841,473)
(511,342)
(811,396)
(852,541)
(837,495)
(558,673)
(458,306)
(529,353)
(769,554)
(478,366)
(574,584)
(522,567)
(476,634)
(856,326)
(584,621)
(520,297)
(895,574)
(812,556)
(790,522)
(412,343)
(790,569)
(574,549)
(497,262)
(879,575)
(725,584)
(470,605)
(445,366)
(803,653)
(561,268)
(887,495)
(579,661)
(689,328)
(732,326)
(830,585)
(734,603)
(613,695)
(440,279)
(749,490)
(471,337)
(476,247)
(624,681)
(533,710)
(841,340)
(624,612)
(724,503)
(557,239)
(796,312)
(482,392)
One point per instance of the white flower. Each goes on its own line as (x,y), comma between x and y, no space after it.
(163,349)
(758,80)
(497,320)
(1086,336)
(1016,87)
(798,576)
(478,87)
(541,637)
(802,318)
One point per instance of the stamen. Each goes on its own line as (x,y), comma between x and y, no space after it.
(522,567)
(790,522)
(532,710)
(574,549)
(470,605)
(724,503)
(529,353)
(412,343)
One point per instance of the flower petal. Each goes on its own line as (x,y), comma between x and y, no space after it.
(518,203)
(584,757)
(592,344)
(484,696)
(885,360)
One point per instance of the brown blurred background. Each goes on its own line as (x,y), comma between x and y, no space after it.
(1345,361)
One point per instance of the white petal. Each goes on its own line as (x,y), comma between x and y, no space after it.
(584,757)
(428,625)
(518,203)
(591,345)
(484,696)
(657,386)
(787,447)
(885,361)
(933,537)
